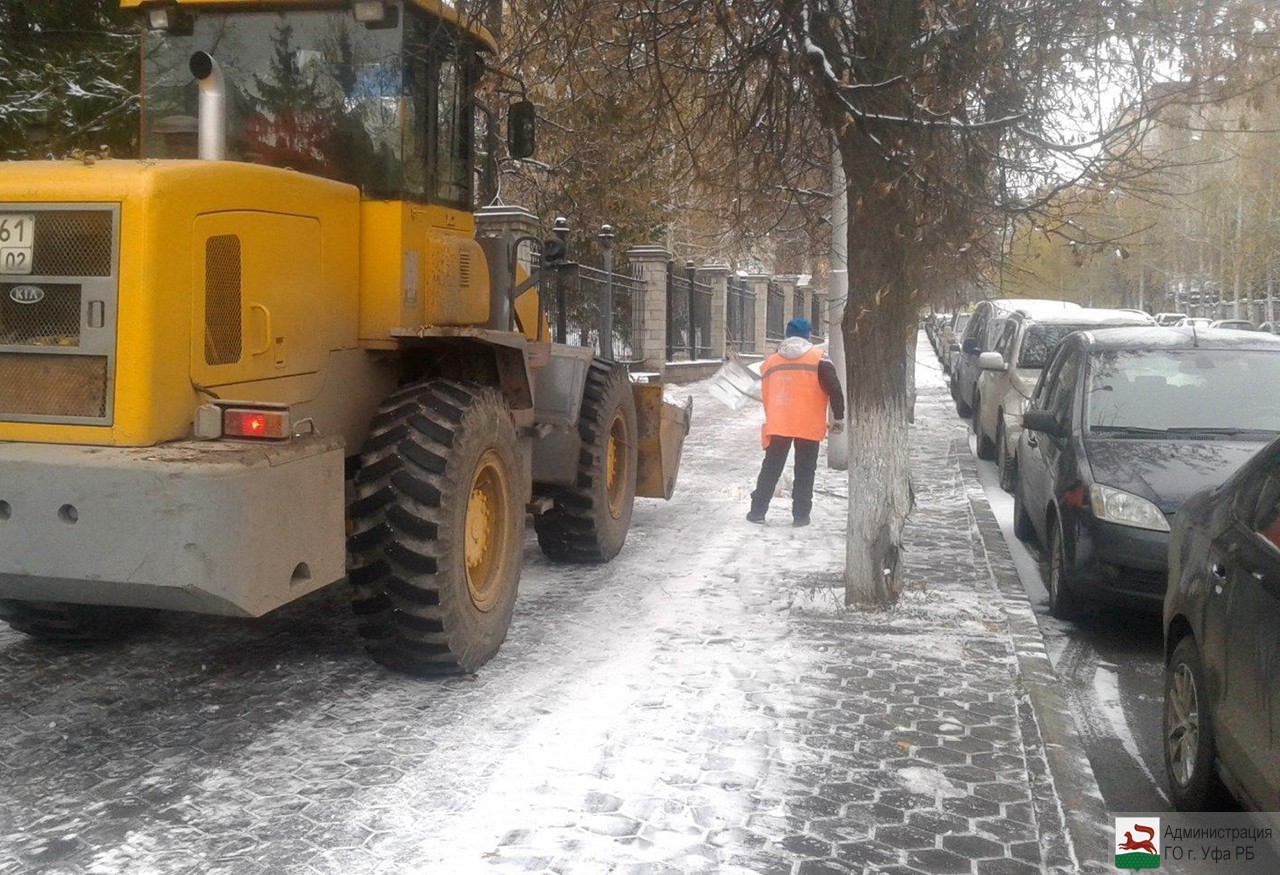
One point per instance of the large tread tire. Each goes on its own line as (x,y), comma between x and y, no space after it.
(1190,749)
(437,528)
(589,521)
(74,624)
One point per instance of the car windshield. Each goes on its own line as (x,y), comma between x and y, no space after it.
(1219,390)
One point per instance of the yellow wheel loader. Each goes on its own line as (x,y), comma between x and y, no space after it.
(272,353)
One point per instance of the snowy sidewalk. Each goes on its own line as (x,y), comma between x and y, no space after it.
(702,704)
(786,735)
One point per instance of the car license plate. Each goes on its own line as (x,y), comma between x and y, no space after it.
(17,242)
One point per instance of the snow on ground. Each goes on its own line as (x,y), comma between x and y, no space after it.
(675,708)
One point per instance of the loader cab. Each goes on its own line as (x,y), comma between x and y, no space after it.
(377,95)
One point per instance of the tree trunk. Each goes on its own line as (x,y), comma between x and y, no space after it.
(881,308)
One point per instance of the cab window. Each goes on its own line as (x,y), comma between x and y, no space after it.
(441,72)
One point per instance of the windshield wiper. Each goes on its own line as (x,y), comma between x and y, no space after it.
(1130,429)
(1191,429)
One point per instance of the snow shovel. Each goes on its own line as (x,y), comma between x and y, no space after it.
(734,384)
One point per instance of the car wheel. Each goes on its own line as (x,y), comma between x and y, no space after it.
(1063,602)
(962,409)
(986,449)
(1022,526)
(1004,461)
(1189,748)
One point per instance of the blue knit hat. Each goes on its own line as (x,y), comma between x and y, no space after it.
(799,328)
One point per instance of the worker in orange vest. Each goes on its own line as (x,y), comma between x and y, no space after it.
(798,381)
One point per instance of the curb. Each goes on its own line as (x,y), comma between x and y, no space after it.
(1068,784)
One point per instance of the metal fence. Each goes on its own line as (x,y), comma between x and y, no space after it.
(688,316)
(740,316)
(774,326)
(576,303)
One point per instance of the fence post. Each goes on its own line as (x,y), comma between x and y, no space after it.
(804,292)
(606,306)
(690,275)
(650,264)
(717,276)
(561,230)
(788,284)
(760,286)
(509,223)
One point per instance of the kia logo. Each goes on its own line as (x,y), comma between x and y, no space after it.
(26,294)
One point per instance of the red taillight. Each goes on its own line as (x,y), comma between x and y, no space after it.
(267,424)
(1074,497)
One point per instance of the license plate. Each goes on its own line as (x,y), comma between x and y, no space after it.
(17,242)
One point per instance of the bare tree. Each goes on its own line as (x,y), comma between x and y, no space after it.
(951,118)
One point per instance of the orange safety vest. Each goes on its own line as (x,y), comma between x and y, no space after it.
(795,404)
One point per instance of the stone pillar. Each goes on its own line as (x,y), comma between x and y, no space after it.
(823,325)
(806,304)
(759,284)
(788,284)
(497,230)
(717,276)
(650,263)
(513,222)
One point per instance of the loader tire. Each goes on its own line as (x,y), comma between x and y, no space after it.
(437,528)
(75,624)
(589,521)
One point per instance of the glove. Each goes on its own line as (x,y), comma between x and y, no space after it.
(837,427)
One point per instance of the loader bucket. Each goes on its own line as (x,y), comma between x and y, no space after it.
(661,427)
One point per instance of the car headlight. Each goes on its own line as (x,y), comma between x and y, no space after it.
(1126,509)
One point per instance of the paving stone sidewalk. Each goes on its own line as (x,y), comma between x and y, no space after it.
(705,707)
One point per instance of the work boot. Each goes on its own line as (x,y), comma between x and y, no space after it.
(755,516)
(800,521)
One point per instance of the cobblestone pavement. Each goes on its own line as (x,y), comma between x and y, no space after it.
(702,704)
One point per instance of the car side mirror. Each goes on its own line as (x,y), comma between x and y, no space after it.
(970,346)
(1043,421)
(521,129)
(991,361)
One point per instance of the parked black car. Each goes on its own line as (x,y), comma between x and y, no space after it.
(1222,642)
(1124,425)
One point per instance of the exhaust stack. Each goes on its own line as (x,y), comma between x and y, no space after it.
(213,107)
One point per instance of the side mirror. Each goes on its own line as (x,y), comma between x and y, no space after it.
(970,346)
(1043,421)
(521,127)
(991,361)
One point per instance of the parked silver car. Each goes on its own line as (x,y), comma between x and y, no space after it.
(949,339)
(1010,371)
(980,336)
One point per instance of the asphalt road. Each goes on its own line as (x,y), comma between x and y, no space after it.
(1113,665)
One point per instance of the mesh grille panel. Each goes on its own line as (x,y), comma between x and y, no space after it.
(32,384)
(222,334)
(54,320)
(73,243)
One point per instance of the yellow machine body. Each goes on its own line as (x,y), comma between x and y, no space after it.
(148,308)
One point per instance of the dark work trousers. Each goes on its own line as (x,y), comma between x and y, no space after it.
(775,459)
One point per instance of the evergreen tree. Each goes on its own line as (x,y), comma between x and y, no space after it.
(68,78)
